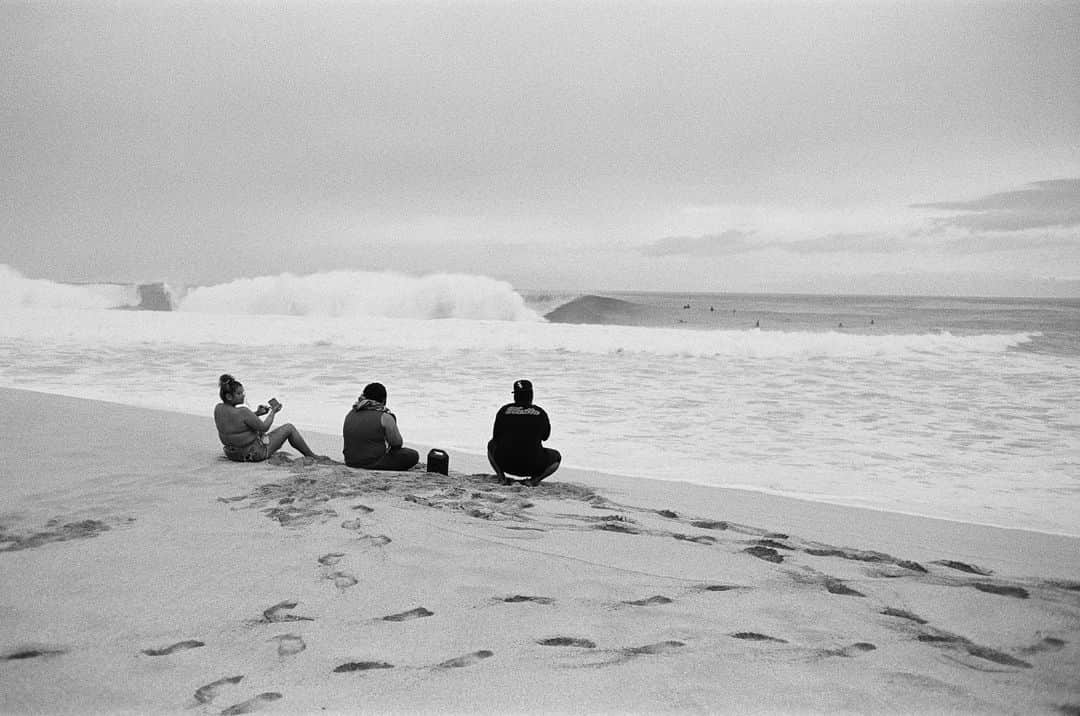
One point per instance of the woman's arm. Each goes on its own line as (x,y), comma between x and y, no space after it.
(259,426)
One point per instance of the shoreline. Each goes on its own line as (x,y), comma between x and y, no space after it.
(144,573)
(477,462)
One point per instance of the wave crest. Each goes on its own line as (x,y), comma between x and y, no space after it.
(18,291)
(360,293)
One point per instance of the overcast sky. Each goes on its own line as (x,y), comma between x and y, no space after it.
(876,147)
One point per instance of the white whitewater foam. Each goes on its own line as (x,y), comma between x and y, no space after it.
(360,293)
(17,291)
(952,426)
(454,334)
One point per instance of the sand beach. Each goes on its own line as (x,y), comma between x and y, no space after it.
(141,572)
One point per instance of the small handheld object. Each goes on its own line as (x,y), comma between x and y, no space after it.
(274,404)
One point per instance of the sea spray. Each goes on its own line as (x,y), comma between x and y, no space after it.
(18,291)
(330,294)
(364,294)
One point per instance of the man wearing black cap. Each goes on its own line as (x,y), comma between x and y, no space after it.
(515,445)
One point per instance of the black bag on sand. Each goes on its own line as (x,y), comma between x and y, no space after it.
(438,461)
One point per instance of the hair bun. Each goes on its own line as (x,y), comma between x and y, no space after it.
(225,379)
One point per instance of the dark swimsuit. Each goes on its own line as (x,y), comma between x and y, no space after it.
(255,451)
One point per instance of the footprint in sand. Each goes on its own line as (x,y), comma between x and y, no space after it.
(178,646)
(411,614)
(900,613)
(980,652)
(343,580)
(361,666)
(715,587)
(252,704)
(699,539)
(617,657)
(517,598)
(1048,644)
(867,556)
(667,513)
(373,540)
(467,660)
(650,601)
(206,694)
(766,553)
(659,647)
(859,647)
(289,644)
(33,652)
(835,586)
(773,544)
(998,657)
(755,636)
(710,525)
(617,527)
(363,509)
(274,615)
(353,524)
(567,641)
(329,560)
(962,567)
(1003,590)
(625,654)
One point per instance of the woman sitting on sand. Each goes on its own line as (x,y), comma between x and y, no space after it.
(243,436)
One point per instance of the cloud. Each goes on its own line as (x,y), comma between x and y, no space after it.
(731,241)
(1044,204)
(736,242)
(847,243)
(1012,242)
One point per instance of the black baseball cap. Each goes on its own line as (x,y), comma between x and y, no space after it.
(523,386)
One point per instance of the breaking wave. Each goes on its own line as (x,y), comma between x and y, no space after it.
(359,293)
(17,291)
(334,294)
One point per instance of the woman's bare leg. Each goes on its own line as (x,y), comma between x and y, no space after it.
(277,437)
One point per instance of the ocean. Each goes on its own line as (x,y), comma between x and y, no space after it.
(958,408)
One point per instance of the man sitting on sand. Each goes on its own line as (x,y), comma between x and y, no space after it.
(372,438)
(515,445)
(244,438)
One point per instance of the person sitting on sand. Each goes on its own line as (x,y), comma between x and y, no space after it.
(515,446)
(371,435)
(244,437)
